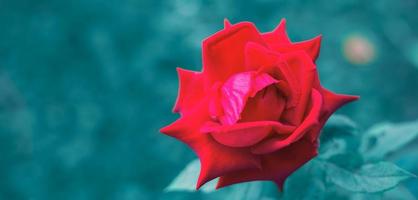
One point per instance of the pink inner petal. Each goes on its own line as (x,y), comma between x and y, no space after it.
(234,96)
(262,81)
(237,89)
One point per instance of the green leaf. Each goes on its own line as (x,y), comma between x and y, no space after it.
(398,193)
(187,179)
(385,138)
(351,160)
(338,125)
(339,137)
(365,196)
(370,178)
(341,122)
(310,178)
(246,191)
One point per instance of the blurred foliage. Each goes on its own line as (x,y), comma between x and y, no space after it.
(85,84)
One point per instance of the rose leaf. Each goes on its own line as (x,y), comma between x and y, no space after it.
(186,180)
(370,178)
(308,177)
(385,138)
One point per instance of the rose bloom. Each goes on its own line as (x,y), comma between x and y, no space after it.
(256,110)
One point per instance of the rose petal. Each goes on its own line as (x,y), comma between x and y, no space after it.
(258,56)
(278,35)
(281,68)
(216,159)
(284,88)
(266,105)
(215,107)
(311,120)
(261,81)
(223,52)
(276,166)
(304,70)
(246,133)
(243,137)
(275,65)
(311,47)
(227,24)
(237,90)
(331,102)
(191,90)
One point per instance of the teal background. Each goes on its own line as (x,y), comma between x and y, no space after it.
(85,84)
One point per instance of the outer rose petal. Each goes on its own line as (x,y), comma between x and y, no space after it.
(216,159)
(310,121)
(278,41)
(276,166)
(191,90)
(227,24)
(258,56)
(311,47)
(246,133)
(278,35)
(331,103)
(223,52)
(215,107)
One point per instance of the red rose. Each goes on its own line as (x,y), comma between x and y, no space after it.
(256,110)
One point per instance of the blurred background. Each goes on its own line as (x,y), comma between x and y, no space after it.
(86,84)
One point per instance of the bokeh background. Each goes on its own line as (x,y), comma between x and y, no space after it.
(86,84)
